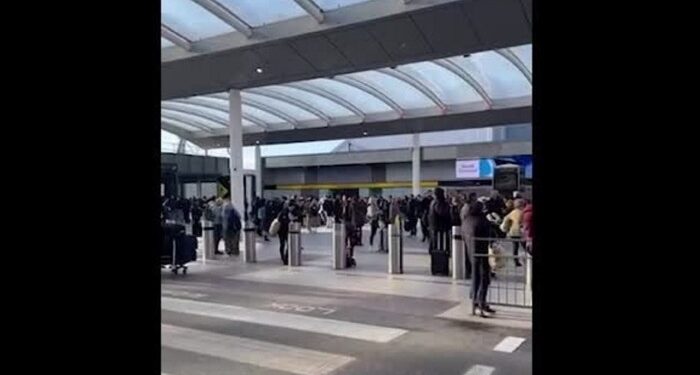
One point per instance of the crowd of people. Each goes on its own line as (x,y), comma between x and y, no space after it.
(486,218)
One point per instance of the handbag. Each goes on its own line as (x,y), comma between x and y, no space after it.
(274,227)
(496,260)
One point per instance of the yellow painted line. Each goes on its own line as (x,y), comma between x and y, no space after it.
(357,185)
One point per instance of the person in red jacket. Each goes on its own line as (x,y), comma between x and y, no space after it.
(527,226)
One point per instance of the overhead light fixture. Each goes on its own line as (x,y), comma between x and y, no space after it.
(364,133)
(258,70)
(257,142)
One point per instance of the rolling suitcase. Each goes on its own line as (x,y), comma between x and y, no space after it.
(440,254)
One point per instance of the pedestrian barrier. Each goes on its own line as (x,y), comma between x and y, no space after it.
(339,256)
(294,244)
(511,275)
(396,246)
(208,239)
(249,243)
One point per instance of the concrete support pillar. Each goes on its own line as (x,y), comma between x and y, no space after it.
(415,164)
(258,172)
(235,131)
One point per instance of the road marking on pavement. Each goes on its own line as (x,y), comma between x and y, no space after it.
(259,353)
(178,293)
(285,320)
(480,370)
(509,344)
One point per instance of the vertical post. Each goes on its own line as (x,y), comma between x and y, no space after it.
(338,246)
(458,254)
(294,244)
(235,132)
(258,172)
(415,164)
(395,247)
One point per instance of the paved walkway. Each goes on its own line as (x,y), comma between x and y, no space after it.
(229,317)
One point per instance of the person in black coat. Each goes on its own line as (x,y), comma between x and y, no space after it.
(423,213)
(439,221)
(197,217)
(283,233)
(481,271)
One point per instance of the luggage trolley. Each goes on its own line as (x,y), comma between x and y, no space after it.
(178,248)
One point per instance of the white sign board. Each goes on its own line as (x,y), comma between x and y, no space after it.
(467,169)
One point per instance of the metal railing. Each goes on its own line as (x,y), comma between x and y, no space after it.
(511,284)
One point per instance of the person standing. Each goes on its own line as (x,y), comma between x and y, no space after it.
(196,217)
(527,226)
(439,221)
(467,227)
(283,217)
(481,276)
(214,214)
(512,227)
(424,207)
(232,228)
(373,216)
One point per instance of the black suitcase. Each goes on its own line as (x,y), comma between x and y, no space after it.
(187,249)
(440,253)
(439,263)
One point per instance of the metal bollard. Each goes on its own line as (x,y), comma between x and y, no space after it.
(249,254)
(395,247)
(339,258)
(208,238)
(458,255)
(528,272)
(294,244)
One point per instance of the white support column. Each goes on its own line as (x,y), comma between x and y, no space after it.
(258,172)
(235,130)
(415,174)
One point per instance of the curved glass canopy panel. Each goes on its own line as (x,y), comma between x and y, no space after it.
(479,82)
(328,107)
(170,121)
(191,20)
(260,12)
(405,95)
(498,76)
(197,109)
(450,88)
(295,112)
(194,119)
(165,43)
(168,141)
(366,102)
(524,53)
(335,4)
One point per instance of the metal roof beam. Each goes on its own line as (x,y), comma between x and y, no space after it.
(175,38)
(312,9)
(416,84)
(354,82)
(515,60)
(461,73)
(226,15)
